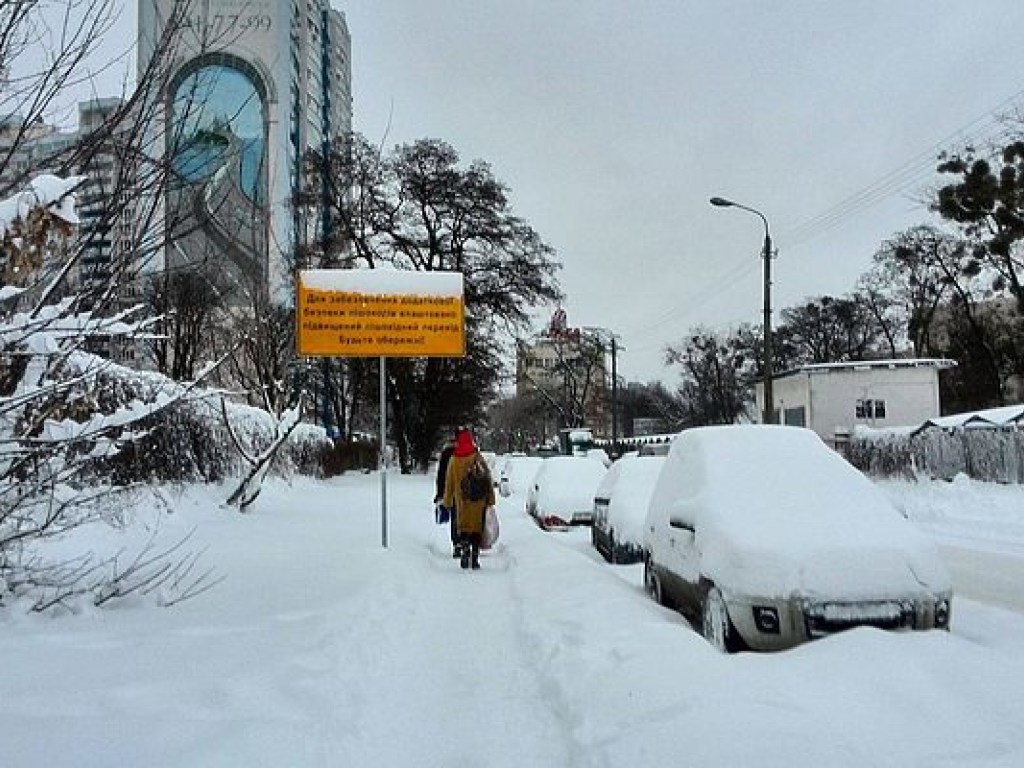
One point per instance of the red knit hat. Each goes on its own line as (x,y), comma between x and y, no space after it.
(464,445)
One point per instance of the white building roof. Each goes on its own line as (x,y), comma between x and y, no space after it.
(991,418)
(864,365)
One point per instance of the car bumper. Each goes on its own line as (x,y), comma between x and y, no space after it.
(766,624)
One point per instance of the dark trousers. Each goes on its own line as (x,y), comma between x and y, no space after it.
(470,549)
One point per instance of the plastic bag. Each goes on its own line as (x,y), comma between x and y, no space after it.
(491,528)
(442,514)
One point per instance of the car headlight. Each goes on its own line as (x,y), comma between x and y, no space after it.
(766,619)
(942,613)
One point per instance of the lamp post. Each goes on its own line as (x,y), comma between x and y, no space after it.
(768,415)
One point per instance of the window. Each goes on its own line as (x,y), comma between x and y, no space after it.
(795,417)
(870,409)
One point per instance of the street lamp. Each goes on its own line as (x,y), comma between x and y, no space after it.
(768,415)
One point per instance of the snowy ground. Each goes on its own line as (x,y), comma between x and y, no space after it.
(322,648)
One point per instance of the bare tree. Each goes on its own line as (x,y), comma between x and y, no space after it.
(186,302)
(716,382)
(832,329)
(419,208)
(42,51)
(57,425)
(260,460)
(574,381)
(516,423)
(913,274)
(53,431)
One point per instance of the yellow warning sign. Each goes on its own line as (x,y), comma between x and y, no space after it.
(352,315)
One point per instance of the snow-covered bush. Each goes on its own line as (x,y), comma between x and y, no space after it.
(59,423)
(189,441)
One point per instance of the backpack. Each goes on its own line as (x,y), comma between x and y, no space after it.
(476,483)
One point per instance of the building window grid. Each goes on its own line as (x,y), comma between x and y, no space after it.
(867,408)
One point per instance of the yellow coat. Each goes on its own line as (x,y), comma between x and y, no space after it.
(469,515)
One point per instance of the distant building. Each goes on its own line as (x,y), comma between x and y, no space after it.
(107,225)
(568,369)
(28,149)
(832,398)
(646,426)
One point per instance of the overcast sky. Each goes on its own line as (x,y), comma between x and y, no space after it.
(614,122)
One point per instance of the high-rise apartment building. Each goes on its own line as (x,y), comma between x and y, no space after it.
(250,86)
(107,233)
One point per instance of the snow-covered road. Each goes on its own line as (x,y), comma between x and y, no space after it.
(990,577)
(980,531)
(321,648)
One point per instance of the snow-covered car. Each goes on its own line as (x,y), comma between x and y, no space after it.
(562,492)
(517,473)
(764,537)
(620,506)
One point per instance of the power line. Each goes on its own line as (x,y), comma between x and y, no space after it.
(691,303)
(913,172)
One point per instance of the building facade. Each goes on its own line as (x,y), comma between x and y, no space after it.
(250,86)
(832,398)
(108,233)
(567,370)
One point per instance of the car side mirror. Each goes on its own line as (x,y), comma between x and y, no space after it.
(682,515)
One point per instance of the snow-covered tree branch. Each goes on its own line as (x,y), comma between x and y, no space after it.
(53,428)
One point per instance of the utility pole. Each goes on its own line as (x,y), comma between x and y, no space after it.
(607,341)
(615,398)
(769,399)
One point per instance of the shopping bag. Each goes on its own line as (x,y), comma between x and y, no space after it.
(442,514)
(491,528)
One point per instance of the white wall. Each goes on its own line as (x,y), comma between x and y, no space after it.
(911,396)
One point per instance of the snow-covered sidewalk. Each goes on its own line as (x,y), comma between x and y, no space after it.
(321,648)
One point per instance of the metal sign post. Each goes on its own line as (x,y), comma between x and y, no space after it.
(385,313)
(383,453)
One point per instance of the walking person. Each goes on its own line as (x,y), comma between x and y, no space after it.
(439,481)
(469,488)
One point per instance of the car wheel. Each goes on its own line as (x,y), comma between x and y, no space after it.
(716,626)
(652,584)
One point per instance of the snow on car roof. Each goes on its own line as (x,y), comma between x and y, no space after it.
(629,484)
(781,493)
(567,483)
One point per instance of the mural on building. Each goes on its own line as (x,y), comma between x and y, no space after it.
(218,154)
(252,85)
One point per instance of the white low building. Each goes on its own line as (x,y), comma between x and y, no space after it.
(832,398)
